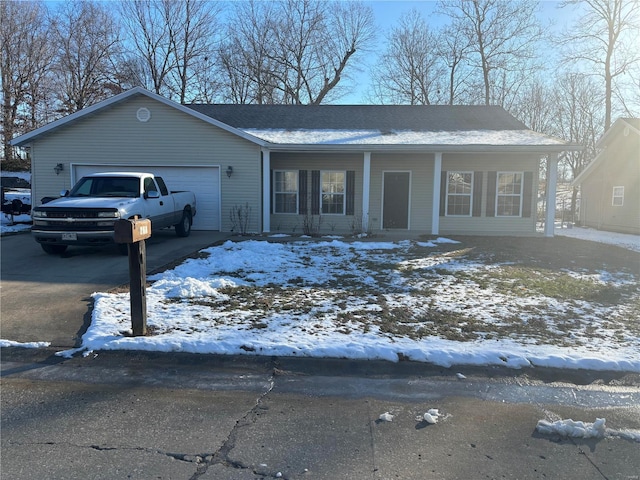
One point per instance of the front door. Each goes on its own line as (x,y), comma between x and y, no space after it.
(395,205)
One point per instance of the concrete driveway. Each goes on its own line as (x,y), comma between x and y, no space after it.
(48,297)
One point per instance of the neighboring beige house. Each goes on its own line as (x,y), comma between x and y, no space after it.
(424,169)
(610,184)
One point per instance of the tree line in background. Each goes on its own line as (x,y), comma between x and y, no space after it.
(56,61)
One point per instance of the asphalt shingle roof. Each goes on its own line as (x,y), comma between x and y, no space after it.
(362,117)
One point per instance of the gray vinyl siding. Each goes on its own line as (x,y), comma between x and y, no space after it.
(621,169)
(114,136)
(421,168)
(484,225)
(338,224)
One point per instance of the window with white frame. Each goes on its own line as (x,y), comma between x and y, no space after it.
(285,191)
(332,192)
(618,197)
(459,193)
(509,194)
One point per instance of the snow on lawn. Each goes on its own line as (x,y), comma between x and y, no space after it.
(624,240)
(379,300)
(17,223)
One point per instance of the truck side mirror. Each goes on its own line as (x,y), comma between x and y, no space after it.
(64,193)
(151,194)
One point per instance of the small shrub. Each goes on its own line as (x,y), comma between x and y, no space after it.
(239,216)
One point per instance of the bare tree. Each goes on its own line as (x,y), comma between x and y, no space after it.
(25,60)
(86,38)
(536,106)
(579,118)
(410,70)
(245,57)
(192,35)
(149,34)
(605,36)
(294,51)
(501,36)
(453,49)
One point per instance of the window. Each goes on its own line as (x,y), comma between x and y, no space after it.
(618,197)
(285,191)
(509,194)
(149,185)
(459,193)
(332,192)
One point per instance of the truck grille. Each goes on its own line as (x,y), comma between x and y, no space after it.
(76,213)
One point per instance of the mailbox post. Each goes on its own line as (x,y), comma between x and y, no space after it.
(133,233)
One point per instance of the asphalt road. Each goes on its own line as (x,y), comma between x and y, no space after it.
(135,415)
(175,416)
(48,297)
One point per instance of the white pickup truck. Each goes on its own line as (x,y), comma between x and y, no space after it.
(86,214)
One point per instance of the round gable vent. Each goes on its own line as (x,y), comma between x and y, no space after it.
(143,114)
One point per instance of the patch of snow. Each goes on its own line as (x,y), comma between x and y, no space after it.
(404,137)
(11,343)
(386,417)
(578,429)
(573,429)
(624,240)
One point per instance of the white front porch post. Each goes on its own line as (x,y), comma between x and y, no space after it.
(552,181)
(366,187)
(266,191)
(435,211)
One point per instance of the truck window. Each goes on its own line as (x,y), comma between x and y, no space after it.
(149,185)
(163,187)
(105,187)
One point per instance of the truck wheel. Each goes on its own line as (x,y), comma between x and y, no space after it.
(183,229)
(53,249)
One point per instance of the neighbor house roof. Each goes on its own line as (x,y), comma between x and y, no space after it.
(441,127)
(628,126)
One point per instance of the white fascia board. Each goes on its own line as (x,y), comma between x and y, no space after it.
(541,149)
(24,140)
(587,170)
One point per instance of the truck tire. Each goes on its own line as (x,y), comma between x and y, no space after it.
(183,228)
(53,249)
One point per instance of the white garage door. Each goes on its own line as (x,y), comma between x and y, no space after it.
(203,181)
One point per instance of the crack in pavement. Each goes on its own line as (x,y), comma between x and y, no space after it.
(184,457)
(221,456)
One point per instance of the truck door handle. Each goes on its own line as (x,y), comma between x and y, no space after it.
(161,203)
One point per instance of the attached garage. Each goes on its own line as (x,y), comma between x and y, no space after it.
(203,181)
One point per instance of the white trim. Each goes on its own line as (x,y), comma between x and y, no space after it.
(498,194)
(276,192)
(266,192)
(366,189)
(614,196)
(470,195)
(344,193)
(435,203)
(552,181)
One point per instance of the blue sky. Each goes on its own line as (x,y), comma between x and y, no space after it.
(388,12)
